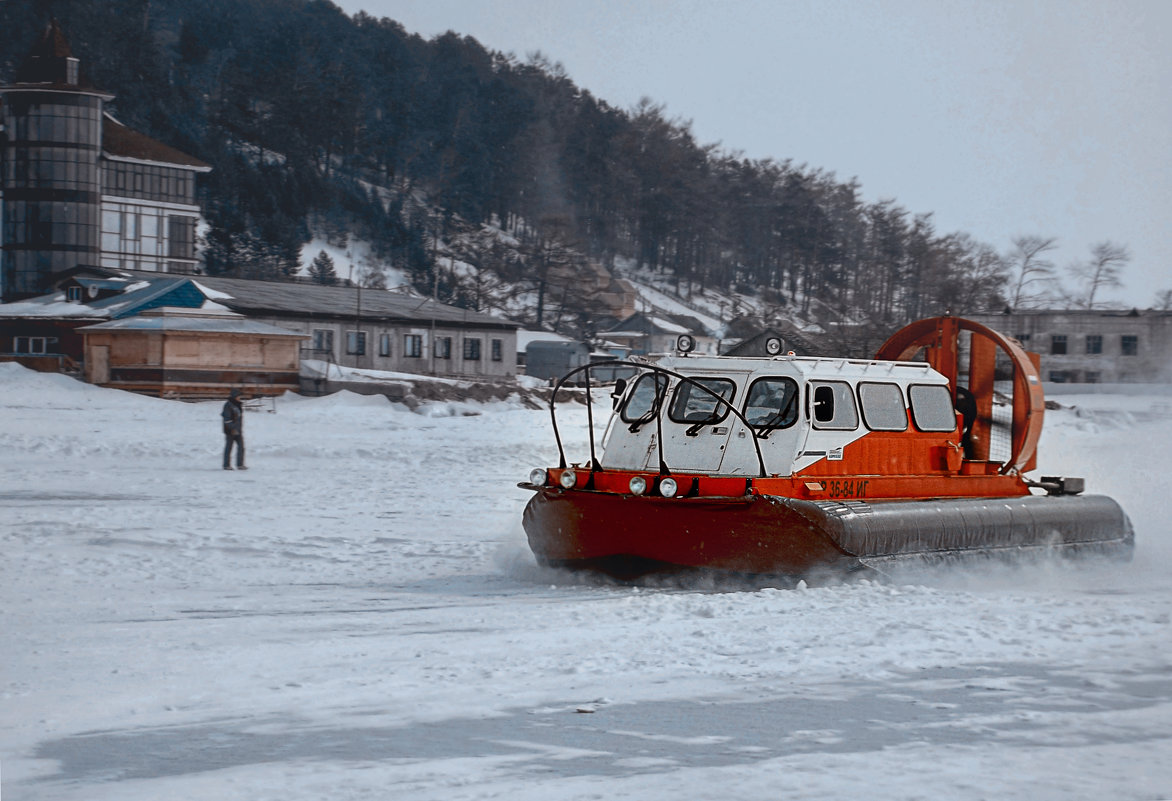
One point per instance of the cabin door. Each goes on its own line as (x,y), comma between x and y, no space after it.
(701,452)
(698,422)
(631,441)
(772,410)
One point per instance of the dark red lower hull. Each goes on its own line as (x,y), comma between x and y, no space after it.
(756,534)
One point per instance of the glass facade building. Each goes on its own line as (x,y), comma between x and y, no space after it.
(79,189)
(51,185)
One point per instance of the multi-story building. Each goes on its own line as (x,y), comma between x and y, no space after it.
(1093,347)
(79,188)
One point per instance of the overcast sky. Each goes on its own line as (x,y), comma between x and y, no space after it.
(1001,117)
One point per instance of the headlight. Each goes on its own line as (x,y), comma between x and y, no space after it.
(668,488)
(568,479)
(538,476)
(638,485)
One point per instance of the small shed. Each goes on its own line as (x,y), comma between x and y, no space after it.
(192,353)
(552,360)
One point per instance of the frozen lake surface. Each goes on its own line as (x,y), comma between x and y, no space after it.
(357,616)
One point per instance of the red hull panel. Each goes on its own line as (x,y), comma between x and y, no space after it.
(763,534)
(750,534)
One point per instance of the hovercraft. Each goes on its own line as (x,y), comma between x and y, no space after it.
(787,465)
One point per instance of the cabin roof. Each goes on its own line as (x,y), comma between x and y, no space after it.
(808,367)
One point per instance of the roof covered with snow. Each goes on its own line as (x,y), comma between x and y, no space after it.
(313,300)
(134,297)
(184,320)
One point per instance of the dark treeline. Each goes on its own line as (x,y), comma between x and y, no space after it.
(314,120)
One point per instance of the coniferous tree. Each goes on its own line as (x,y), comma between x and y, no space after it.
(321,270)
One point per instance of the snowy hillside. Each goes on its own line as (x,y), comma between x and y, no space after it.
(357,616)
(657,293)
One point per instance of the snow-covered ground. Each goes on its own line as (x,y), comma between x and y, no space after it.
(357,616)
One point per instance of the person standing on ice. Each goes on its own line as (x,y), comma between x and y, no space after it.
(233,414)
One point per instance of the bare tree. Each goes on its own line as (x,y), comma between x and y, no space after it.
(1100,272)
(1164,300)
(371,273)
(1029,265)
(554,252)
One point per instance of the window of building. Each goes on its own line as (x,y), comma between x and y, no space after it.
(356,343)
(471,349)
(33,345)
(413,345)
(443,347)
(1022,338)
(130,225)
(497,348)
(1059,376)
(323,341)
(73,294)
(1092,377)
(932,407)
(1129,345)
(1094,343)
(1058,344)
(384,344)
(180,237)
(42,233)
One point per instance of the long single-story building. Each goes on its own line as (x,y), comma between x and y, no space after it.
(376,329)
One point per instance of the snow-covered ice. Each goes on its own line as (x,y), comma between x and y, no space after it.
(357,616)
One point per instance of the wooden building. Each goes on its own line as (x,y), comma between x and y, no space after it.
(180,352)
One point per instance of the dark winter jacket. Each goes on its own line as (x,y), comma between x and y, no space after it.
(233,415)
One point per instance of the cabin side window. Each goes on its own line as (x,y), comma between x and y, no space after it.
(772,403)
(692,404)
(833,405)
(932,407)
(882,406)
(643,402)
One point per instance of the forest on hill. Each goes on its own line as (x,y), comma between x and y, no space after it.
(319,122)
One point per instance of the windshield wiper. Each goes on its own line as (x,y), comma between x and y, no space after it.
(773,421)
(714,417)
